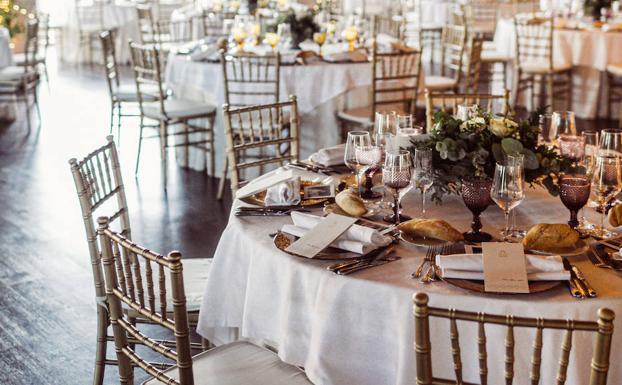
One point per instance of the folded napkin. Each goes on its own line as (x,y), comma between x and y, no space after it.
(354,56)
(204,52)
(282,174)
(354,233)
(339,243)
(330,156)
(471,266)
(286,193)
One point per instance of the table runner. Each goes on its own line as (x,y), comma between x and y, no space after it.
(359,329)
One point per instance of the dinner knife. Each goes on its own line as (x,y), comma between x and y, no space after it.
(370,255)
(377,262)
(603,255)
(591,255)
(590,290)
(365,262)
(576,288)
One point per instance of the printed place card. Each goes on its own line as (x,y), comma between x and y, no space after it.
(263,183)
(505,269)
(322,235)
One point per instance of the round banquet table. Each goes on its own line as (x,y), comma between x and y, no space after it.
(119,15)
(7,112)
(358,329)
(321,88)
(588,51)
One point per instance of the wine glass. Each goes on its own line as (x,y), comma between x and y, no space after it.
(610,142)
(563,122)
(606,183)
(586,167)
(356,139)
(284,31)
(517,160)
(574,192)
(319,38)
(272,39)
(545,123)
(476,197)
(396,176)
(404,121)
(507,191)
(405,136)
(423,173)
(350,34)
(254,29)
(384,129)
(572,147)
(368,157)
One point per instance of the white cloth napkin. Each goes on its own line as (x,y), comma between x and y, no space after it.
(471,266)
(284,194)
(339,243)
(329,156)
(354,233)
(204,52)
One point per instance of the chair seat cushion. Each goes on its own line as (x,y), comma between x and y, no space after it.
(240,363)
(20,59)
(195,273)
(440,83)
(360,115)
(494,57)
(543,68)
(14,73)
(615,69)
(178,109)
(127,93)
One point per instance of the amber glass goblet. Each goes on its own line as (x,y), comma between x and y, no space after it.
(476,197)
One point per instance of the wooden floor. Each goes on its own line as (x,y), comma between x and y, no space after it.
(47,309)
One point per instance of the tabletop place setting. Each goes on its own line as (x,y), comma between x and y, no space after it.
(311,192)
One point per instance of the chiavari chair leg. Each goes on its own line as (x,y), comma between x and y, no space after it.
(119,117)
(163,152)
(212,154)
(569,91)
(140,144)
(223,178)
(187,139)
(112,109)
(609,94)
(36,100)
(101,345)
(550,90)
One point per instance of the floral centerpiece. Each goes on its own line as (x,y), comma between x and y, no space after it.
(472,148)
(302,25)
(10,15)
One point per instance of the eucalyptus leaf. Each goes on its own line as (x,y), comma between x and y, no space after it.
(511,146)
(531,161)
(497,152)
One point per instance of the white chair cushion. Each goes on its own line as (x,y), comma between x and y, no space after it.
(489,46)
(494,57)
(13,73)
(195,273)
(615,69)
(439,83)
(543,68)
(178,109)
(20,59)
(360,115)
(127,93)
(240,363)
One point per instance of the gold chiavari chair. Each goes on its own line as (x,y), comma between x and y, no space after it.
(473,64)
(526,6)
(603,330)
(453,43)
(271,129)
(534,61)
(440,101)
(388,25)
(43,43)
(169,111)
(19,83)
(395,86)
(146,24)
(614,77)
(212,24)
(481,17)
(150,284)
(419,32)
(90,22)
(100,189)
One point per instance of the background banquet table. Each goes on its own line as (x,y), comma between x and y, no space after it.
(7,112)
(118,15)
(588,51)
(321,88)
(359,329)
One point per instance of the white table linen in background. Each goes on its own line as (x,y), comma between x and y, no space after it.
(321,89)
(359,329)
(120,15)
(588,51)
(7,112)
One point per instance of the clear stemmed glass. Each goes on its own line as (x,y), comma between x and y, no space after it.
(610,142)
(356,139)
(517,160)
(396,176)
(319,38)
(507,190)
(384,130)
(545,123)
(586,167)
(563,122)
(574,192)
(369,158)
(405,136)
(606,183)
(423,173)
(404,121)
(572,147)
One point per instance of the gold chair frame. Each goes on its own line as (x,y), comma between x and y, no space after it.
(473,64)
(388,25)
(614,94)
(450,101)
(453,45)
(423,347)
(89,13)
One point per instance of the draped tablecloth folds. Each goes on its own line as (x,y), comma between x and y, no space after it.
(358,329)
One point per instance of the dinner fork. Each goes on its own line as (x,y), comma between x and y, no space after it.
(428,255)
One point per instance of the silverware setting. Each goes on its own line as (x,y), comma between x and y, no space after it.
(374,258)
(267,211)
(600,257)
(577,284)
(311,167)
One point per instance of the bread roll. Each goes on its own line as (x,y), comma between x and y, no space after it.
(431,228)
(615,216)
(547,237)
(351,203)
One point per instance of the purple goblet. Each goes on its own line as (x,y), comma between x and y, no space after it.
(476,197)
(574,191)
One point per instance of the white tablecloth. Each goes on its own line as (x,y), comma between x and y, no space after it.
(588,51)
(120,15)
(7,112)
(321,90)
(358,329)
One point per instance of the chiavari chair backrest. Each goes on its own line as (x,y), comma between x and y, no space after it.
(270,127)
(251,79)
(136,277)
(526,6)
(44,33)
(100,190)
(534,40)
(482,15)
(110,61)
(146,23)
(473,63)
(31,48)
(395,80)
(173,31)
(90,14)
(388,25)
(147,75)
(603,330)
(213,25)
(453,42)
(445,101)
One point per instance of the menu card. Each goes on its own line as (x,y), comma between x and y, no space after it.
(322,235)
(263,183)
(505,268)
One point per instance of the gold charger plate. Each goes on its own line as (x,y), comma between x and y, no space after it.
(283,240)
(580,247)
(478,286)
(260,198)
(421,241)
